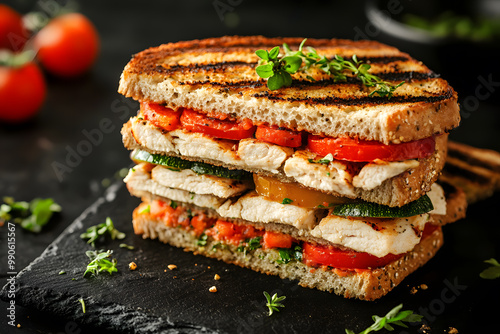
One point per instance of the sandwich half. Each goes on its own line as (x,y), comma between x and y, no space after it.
(320,181)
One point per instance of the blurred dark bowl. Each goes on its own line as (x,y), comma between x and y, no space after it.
(466,64)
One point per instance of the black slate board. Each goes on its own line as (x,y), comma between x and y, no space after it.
(154,299)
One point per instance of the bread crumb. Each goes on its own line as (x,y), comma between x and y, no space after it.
(424,329)
(423,286)
(132,266)
(213,289)
(216,277)
(413,290)
(452,330)
(18,325)
(172,266)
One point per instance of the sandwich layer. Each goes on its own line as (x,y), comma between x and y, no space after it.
(388,183)
(218,75)
(295,260)
(375,236)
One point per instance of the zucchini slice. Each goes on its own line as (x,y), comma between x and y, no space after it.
(367,209)
(197,167)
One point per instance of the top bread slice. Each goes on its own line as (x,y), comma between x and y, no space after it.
(218,75)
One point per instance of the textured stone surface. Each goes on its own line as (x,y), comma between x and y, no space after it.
(154,299)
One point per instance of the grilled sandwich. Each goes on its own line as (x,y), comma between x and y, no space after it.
(321,181)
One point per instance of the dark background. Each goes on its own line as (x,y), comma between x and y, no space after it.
(73,107)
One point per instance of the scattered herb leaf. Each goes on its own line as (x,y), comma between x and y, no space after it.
(99,262)
(491,272)
(62,272)
(83,304)
(277,69)
(273,302)
(394,316)
(31,216)
(129,247)
(286,201)
(107,228)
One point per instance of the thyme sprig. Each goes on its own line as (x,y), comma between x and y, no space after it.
(278,69)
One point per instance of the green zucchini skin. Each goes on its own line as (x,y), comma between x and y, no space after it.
(197,167)
(366,209)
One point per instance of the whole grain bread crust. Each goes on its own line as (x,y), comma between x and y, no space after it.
(368,284)
(218,75)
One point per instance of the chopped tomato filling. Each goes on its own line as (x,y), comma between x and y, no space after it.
(238,234)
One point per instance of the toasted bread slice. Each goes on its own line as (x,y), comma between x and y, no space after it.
(475,170)
(218,75)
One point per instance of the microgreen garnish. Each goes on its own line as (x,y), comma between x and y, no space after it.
(286,201)
(394,317)
(31,216)
(99,262)
(107,228)
(278,69)
(273,302)
(491,272)
(83,304)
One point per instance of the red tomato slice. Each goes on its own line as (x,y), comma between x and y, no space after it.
(345,148)
(277,240)
(343,259)
(160,116)
(225,129)
(278,136)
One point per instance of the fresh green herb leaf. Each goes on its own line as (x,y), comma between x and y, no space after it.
(31,216)
(83,304)
(127,246)
(277,70)
(326,160)
(289,254)
(173,204)
(250,245)
(202,241)
(62,272)
(286,201)
(99,262)
(254,243)
(394,316)
(273,302)
(491,272)
(107,228)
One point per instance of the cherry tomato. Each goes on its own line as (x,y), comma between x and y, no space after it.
(226,129)
(68,45)
(22,92)
(165,118)
(279,136)
(277,240)
(343,259)
(345,148)
(12,33)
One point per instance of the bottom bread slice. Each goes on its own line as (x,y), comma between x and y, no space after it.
(364,284)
